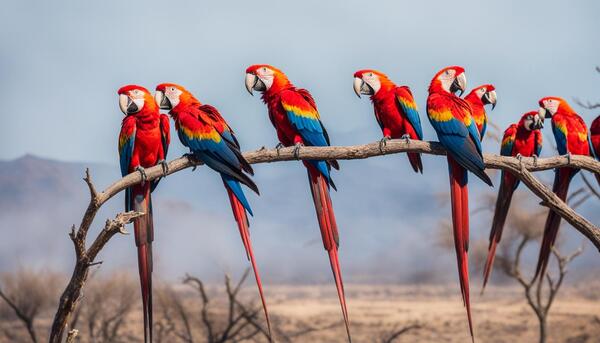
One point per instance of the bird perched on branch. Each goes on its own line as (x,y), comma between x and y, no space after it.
(211,140)
(395,109)
(523,139)
(293,113)
(595,142)
(478,98)
(143,143)
(571,135)
(451,118)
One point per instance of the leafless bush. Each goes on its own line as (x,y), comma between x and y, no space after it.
(26,294)
(104,308)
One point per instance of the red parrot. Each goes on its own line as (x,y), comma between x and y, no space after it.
(211,140)
(571,135)
(451,118)
(478,98)
(395,109)
(293,113)
(595,142)
(143,143)
(522,139)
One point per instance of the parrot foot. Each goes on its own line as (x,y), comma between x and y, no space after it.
(278,147)
(192,159)
(535,158)
(568,158)
(406,138)
(297,150)
(165,167)
(520,158)
(142,172)
(383,143)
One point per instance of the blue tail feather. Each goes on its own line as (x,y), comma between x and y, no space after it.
(236,188)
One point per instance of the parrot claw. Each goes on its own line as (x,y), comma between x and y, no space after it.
(165,167)
(142,172)
(406,138)
(568,158)
(278,147)
(520,158)
(297,150)
(383,143)
(192,159)
(535,159)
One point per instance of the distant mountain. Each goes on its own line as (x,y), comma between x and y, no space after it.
(387,215)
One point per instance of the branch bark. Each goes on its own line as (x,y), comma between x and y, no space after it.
(522,169)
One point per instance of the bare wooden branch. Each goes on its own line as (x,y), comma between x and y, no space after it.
(85,258)
(520,168)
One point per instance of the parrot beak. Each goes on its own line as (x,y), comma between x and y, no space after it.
(459,84)
(538,122)
(163,102)
(544,113)
(490,98)
(127,105)
(358,84)
(361,87)
(251,81)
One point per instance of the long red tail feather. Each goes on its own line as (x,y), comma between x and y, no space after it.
(239,213)
(505,194)
(562,179)
(144,235)
(415,162)
(460,224)
(329,234)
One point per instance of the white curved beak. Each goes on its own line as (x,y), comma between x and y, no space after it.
(492,98)
(124,102)
(358,83)
(461,79)
(158,97)
(250,82)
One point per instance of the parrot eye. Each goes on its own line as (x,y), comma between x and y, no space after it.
(264,69)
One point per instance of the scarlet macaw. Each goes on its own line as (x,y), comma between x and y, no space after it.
(143,142)
(478,98)
(595,141)
(395,109)
(522,140)
(293,113)
(451,118)
(211,140)
(571,135)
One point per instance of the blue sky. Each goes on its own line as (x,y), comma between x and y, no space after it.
(61,62)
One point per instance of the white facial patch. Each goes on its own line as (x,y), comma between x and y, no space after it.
(447,78)
(480,92)
(173,93)
(266,75)
(551,105)
(373,81)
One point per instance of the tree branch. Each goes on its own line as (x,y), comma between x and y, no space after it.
(521,169)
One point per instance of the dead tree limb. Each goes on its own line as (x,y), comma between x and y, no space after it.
(85,256)
(522,169)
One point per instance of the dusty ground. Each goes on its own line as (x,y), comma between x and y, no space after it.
(501,315)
